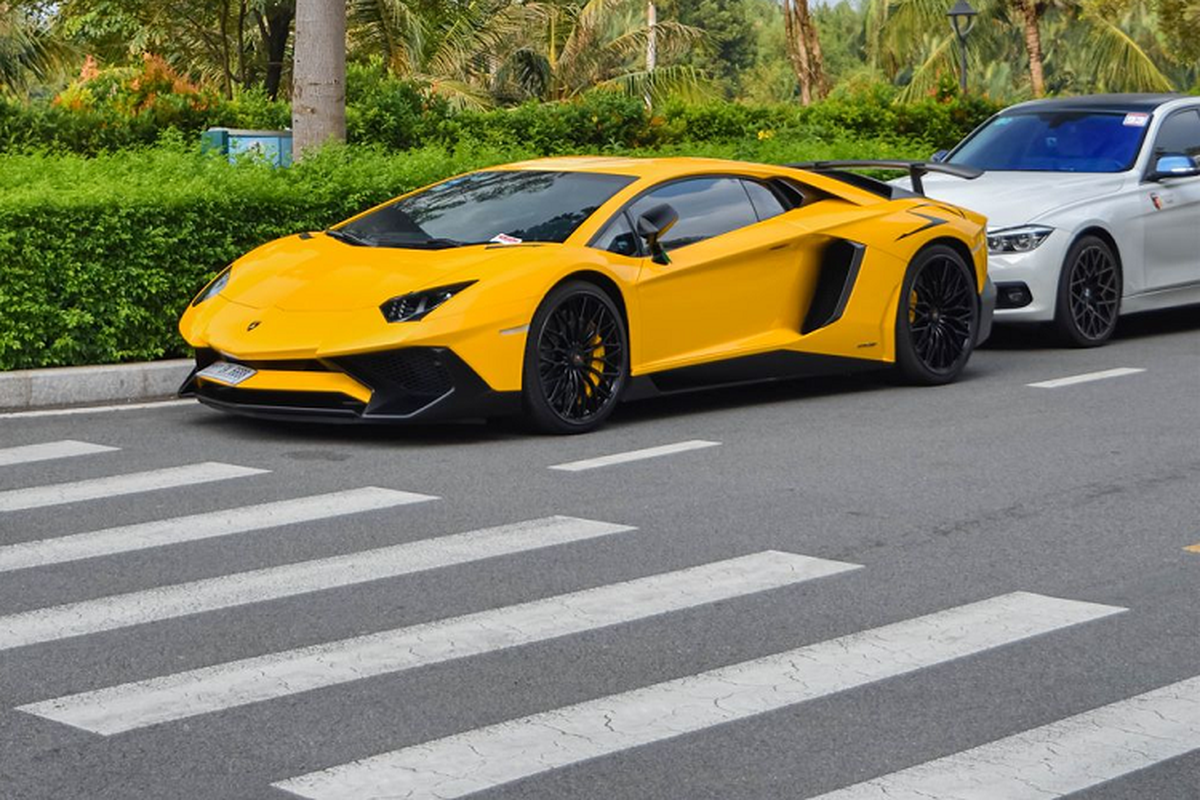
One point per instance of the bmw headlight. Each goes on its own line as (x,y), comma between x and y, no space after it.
(214,288)
(416,305)
(1017,240)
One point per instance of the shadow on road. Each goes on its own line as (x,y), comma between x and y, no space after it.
(1136,326)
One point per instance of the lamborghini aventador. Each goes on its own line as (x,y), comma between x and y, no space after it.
(556,288)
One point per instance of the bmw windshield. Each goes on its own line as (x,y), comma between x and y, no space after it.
(507,207)
(1055,141)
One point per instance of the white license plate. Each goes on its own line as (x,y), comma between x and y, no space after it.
(228,374)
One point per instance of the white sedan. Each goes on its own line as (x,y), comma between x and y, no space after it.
(1093,207)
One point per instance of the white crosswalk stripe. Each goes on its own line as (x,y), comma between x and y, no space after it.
(1056,759)
(49,451)
(136,705)
(289,580)
(132,483)
(159,533)
(465,763)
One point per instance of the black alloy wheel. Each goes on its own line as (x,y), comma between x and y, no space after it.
(1089,294)
(576,359)
(937,318)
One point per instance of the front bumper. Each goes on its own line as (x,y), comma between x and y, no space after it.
(1038,270)
(410,384)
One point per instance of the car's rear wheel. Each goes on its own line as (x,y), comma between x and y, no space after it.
(576,360)
(937,318)
(1089,294)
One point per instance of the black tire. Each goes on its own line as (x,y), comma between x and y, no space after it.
(576,360)
(937,319)
(1089,294)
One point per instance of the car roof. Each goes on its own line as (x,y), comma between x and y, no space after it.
(1098,102)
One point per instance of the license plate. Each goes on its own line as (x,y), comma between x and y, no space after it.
(228,374)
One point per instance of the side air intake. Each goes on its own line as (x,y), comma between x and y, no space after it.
(839,270)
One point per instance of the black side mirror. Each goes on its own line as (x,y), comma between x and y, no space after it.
(652,225)
(1173,165)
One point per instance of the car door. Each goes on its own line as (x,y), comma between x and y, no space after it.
(1170,208)
(732,281)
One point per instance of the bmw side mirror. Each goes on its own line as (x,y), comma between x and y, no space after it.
(1174,165)
(939,156)
(653,225)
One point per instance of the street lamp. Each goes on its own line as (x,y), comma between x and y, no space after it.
(962,19)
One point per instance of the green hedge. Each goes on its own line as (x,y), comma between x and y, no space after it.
(99,256)
(400,115)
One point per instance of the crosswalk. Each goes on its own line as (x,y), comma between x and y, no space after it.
(1049,761)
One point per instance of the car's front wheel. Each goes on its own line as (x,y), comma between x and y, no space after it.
(937,318)
(1089,294)
(576,360)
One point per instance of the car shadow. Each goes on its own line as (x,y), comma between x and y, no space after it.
(1134,326)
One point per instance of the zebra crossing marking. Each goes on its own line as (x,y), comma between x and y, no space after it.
(465,763)
(159,533)
(139,704)
(49,451)
(1054,760)
(273,583)
(114,485)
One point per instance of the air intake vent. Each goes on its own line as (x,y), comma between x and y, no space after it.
(839,270)
(413,370)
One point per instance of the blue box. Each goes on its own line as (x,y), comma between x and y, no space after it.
(274,147)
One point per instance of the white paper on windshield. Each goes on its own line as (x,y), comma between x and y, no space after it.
(504,238)
(1136,120)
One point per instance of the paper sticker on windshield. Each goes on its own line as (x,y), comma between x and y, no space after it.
(504,238)
(1136,120)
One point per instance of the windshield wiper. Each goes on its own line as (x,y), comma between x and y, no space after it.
(347,237)
(431,243)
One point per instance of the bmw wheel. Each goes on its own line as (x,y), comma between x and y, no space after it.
(576,360)
(937,318)
(1089,293)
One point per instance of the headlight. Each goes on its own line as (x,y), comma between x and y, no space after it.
(1017,240)
(214,288)
(415,306)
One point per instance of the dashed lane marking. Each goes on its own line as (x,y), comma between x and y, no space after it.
(635,455)
(1087,377)
(481,759)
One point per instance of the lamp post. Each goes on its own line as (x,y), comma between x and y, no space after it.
(962,19)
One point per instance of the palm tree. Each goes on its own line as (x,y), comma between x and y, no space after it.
(319,74)
(28,51)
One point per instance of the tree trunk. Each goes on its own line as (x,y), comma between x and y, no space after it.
(275,28)
(804,50)
(1033,46)
(319,74)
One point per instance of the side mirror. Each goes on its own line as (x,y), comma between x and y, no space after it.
(939,156)
(653,225)
(1174,165)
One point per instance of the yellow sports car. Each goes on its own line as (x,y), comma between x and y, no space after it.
(558,287)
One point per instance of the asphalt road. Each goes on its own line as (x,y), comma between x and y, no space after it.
(952,575)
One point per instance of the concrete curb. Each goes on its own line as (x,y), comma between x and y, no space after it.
(111,383)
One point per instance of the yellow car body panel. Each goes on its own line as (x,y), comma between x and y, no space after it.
(313,298)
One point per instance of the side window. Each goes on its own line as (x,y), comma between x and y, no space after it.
(766,204)
(707,207)
(1180,133)
(617,237)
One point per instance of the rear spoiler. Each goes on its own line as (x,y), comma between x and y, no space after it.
(916,169)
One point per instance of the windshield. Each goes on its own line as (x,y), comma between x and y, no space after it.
(501,206)
(1055,141)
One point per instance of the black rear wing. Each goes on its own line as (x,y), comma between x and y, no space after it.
(916,169)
